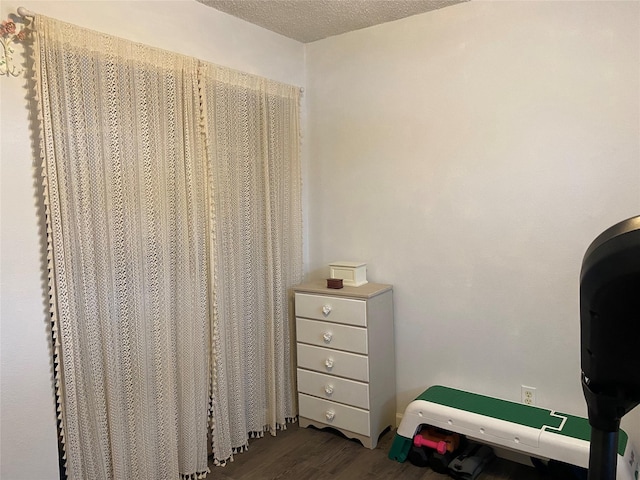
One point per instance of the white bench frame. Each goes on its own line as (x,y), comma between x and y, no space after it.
(541,443)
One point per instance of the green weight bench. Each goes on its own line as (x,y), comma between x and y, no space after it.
(530,430)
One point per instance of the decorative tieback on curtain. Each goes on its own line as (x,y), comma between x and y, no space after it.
(10,34)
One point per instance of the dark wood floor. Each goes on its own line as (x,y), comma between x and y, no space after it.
(311,454)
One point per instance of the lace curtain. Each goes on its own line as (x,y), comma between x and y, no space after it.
(172,199)
(252,129)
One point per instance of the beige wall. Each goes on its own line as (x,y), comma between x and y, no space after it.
(469,156)
(27,426)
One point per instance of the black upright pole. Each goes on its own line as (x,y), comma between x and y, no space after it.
(603,458)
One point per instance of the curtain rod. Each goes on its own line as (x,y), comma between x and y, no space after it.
(24,13)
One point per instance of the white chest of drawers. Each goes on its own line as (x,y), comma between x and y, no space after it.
(346,359)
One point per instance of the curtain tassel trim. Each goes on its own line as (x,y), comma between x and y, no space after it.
(33,53)
(195,476)
(251,435)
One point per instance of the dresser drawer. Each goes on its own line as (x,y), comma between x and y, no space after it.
(334,414)
(333,362)
(332,309)
(335,389)
(332,335)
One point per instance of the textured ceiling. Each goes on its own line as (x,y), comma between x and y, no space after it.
(310,20)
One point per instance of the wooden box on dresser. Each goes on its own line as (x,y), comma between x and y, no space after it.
(346,359)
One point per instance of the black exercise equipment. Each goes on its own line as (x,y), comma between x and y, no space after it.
(610,338)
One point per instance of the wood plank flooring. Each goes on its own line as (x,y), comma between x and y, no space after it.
(312,454)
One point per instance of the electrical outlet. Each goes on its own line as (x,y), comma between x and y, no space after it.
(528,395)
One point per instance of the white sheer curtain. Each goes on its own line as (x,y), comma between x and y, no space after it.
(173,204)
(252,129)
(125,186)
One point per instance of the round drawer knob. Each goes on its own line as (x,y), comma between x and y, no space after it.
(326,310)
(329,414)
(328,389)
(327,337)
(328,363)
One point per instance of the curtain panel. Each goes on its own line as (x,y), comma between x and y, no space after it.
(172,200)
(253,148)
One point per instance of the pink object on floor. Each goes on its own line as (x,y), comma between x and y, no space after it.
(440,447)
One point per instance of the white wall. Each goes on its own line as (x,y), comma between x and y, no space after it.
(28,433)
(469,156)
